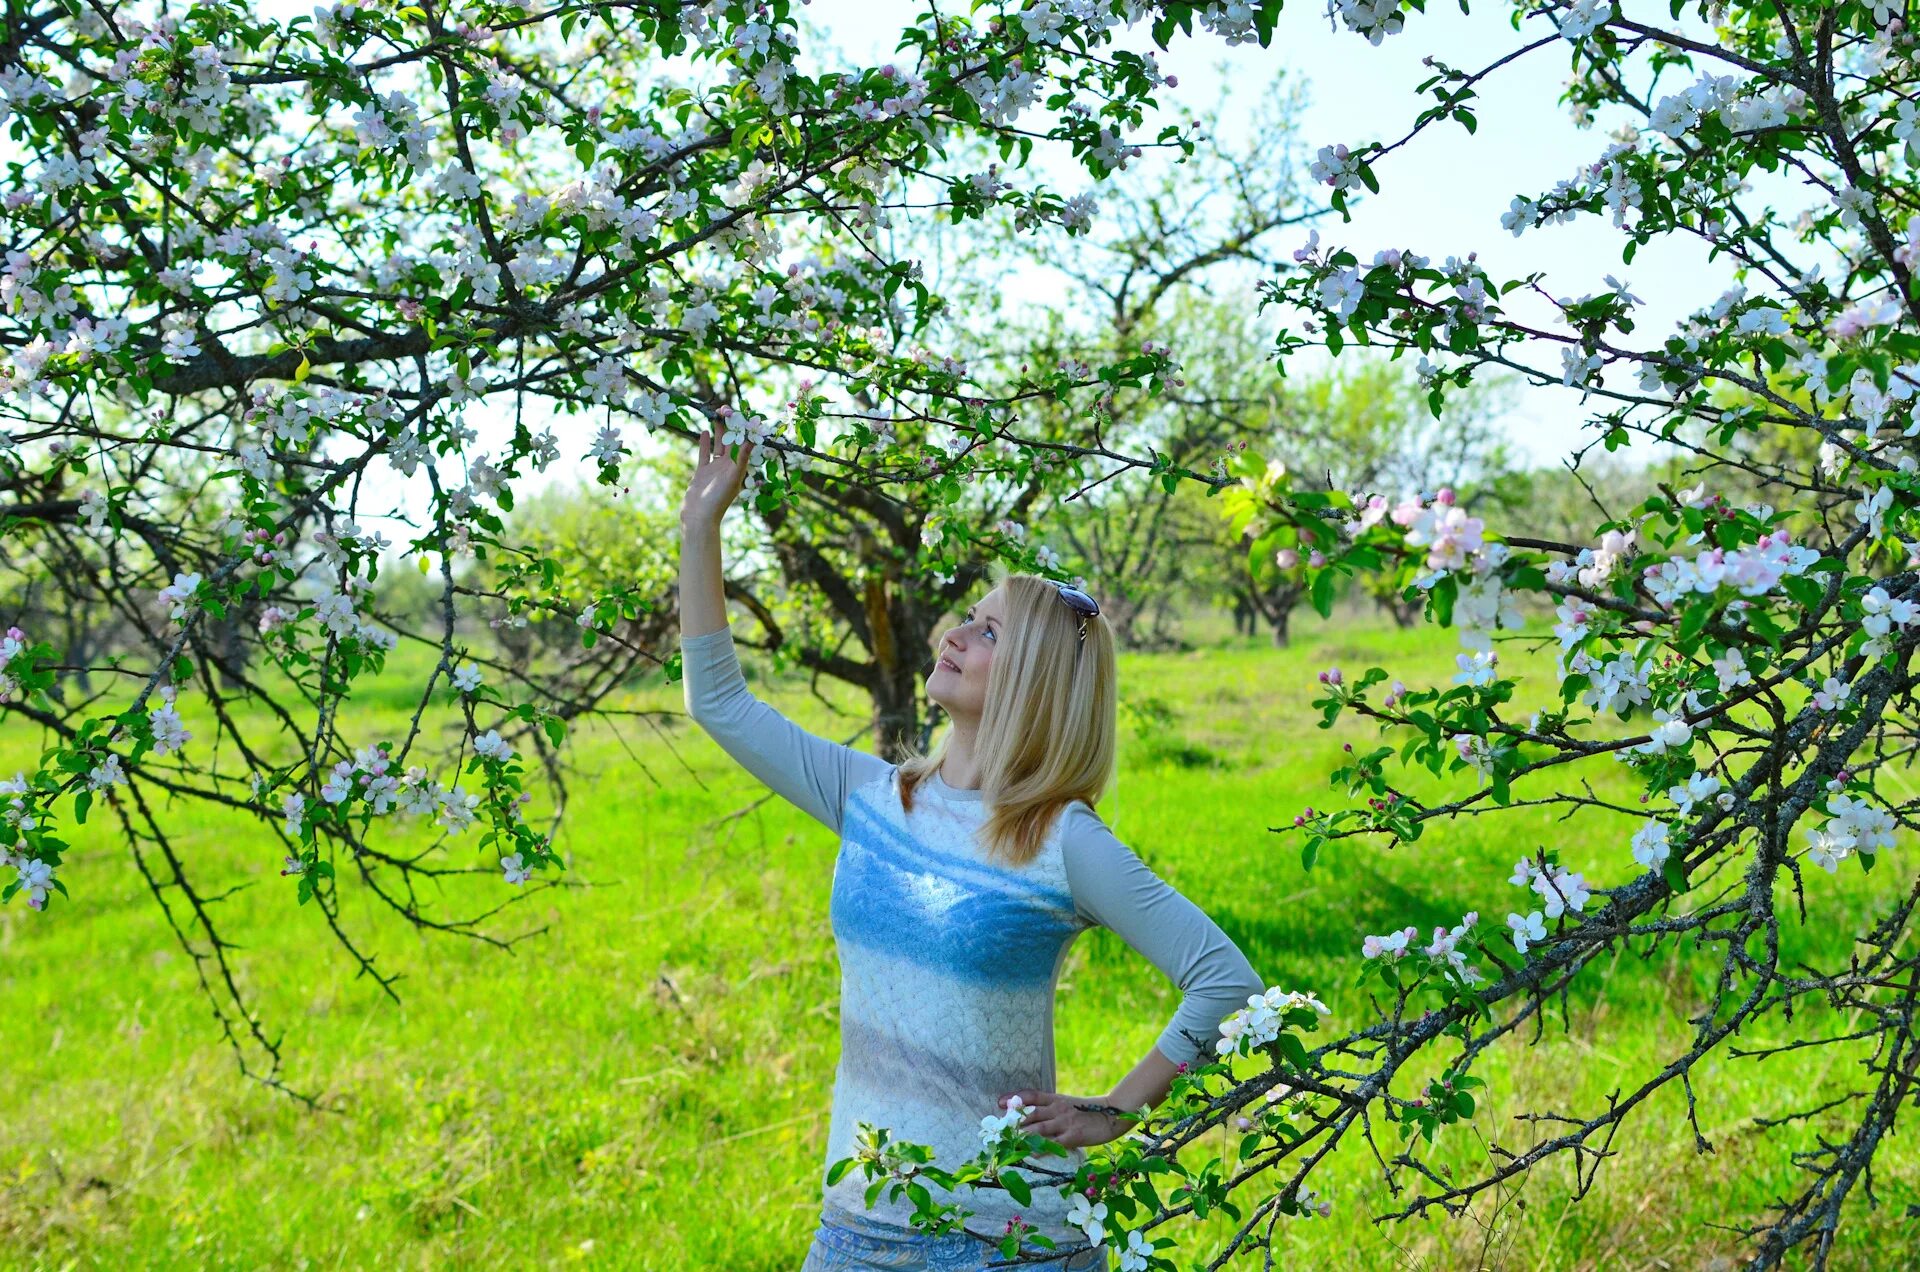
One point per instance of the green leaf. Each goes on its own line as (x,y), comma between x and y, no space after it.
(1322,593)
(1444,593)
(1806,592)
(1017,1187)
(1694,621)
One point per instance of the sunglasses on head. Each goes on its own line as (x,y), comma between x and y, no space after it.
(1080,603)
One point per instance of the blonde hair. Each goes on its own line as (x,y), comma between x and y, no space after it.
(1046,734)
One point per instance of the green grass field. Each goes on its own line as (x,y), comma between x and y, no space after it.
(645,1084)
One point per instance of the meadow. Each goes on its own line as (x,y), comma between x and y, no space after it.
(644,1084)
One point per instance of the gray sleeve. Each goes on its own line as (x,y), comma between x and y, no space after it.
(1113,888)
(813,773)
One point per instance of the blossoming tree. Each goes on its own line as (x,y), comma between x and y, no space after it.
(1744,669)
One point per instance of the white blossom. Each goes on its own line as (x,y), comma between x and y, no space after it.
(991,1126)
(178,596)
(457,809)
(1342,291)
(1651,844)
(1699,787)
(1832,695)
(1392,945)
(35,880)
(1826,848)
(1561,890)
(1670,733)
(1477,670)
(169,733)
(294,809)
(106,773)
(1089,1217)
(1529,929)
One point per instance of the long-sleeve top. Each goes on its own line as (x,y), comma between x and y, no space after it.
(948,960)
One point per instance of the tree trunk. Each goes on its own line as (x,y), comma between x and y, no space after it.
(1282,619)
(1245,619)
(901,644)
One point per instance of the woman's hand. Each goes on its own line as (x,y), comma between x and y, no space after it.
(717,479)
(1071,1121)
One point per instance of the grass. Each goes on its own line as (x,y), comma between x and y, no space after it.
(645,1084)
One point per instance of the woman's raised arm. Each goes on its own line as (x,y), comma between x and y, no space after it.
(813,773)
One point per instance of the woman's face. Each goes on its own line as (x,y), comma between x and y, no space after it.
(964,656)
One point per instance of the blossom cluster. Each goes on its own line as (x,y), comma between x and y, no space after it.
(1680,113)
(367,779)
(34,878)
(1853,826)
(1374,19)
(991,1127)
(1880,614)
(168,730)
(1752,569)
(1454,542)
(1137,1254)
(1561,890)
(1260,1020)
(12,646)
(1443,951)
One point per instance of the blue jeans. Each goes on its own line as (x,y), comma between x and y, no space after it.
(848,1242)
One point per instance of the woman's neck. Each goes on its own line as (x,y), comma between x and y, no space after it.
(957,767)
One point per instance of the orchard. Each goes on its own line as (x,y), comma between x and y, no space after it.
(291,307)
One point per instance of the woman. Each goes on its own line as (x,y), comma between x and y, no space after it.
(962,879)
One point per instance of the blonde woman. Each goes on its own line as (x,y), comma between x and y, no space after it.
(962,879)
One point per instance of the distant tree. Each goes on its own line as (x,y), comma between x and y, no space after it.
(863,580)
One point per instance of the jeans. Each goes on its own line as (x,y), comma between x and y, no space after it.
(848,1242)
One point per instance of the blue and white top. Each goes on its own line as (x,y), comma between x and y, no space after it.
(948,961)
